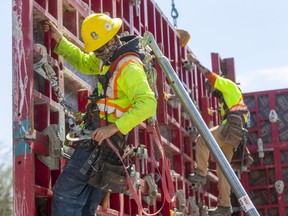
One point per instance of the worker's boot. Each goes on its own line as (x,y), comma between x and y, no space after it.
(196,178)
(221,211)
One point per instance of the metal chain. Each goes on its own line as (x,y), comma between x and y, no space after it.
(51,76)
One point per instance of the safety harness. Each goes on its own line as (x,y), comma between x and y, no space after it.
(238,109)
(235,131)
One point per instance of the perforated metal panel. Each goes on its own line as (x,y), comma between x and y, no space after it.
(265,171)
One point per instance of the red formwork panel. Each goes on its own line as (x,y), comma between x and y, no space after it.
(268,143)
(35,105)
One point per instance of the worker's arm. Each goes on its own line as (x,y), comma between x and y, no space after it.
(85,63)
(135,86)
(102,133)
(203,70)
(54,31)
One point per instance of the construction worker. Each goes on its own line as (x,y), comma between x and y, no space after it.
(124,102)
(234,113)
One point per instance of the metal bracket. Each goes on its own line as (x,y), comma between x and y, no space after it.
(142,153)
(181,201)
(54,142)
(193,208)
(135,180)
(52,160)
(152,190)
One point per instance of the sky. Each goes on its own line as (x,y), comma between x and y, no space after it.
(254,33)
(6,82)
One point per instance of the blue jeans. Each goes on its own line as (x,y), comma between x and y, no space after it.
(71,194)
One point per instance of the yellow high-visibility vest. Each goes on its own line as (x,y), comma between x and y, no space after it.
(232,97)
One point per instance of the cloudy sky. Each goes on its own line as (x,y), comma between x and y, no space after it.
(254,33)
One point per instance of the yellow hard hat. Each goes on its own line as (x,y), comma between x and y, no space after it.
(97,29)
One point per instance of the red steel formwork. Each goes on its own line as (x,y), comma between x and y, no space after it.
(36,106)
(268,143)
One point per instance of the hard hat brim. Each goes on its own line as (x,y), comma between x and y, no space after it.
(117,23)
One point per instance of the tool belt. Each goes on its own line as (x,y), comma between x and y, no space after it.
(107,176)
(233,130)
(104,167)
(241,157)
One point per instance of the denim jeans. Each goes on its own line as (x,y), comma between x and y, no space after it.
(71,194)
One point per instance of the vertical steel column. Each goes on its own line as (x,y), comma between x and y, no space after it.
(22,57)
(277,153)
(229,62)
(195,116)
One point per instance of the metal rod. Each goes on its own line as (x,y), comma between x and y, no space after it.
(196,118)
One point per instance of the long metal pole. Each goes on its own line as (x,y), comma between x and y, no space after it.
(196,118)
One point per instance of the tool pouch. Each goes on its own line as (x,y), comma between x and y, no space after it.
(108,172)
(241,157)
(233,130)
(108,177)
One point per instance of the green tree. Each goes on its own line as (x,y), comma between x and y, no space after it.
(6,197)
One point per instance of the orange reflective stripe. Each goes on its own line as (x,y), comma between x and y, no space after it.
(111,108)
(121,67)
(102,113)
(101,101)
(238,106)
(108,103)
(122,109)
(115,114)
(105,105)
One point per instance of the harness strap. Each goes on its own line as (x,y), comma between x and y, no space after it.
(228,111)
(104,80)
(114,64)
(130,185)
(166,178)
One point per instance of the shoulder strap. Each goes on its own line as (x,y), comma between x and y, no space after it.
(109,73)
(114,63)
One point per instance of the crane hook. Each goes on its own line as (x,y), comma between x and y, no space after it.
(174,14)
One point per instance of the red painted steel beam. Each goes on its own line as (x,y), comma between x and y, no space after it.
(22,57)
(229,63)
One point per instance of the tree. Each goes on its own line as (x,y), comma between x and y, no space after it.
(6,197)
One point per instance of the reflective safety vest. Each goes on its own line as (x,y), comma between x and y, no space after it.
(106,105)
(232,98)
(239,108)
